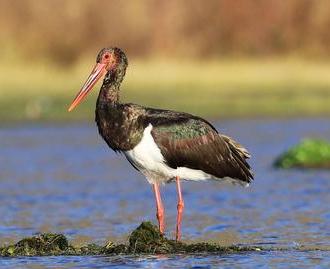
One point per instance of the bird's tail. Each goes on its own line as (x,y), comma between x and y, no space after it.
(240,154)
(243,152)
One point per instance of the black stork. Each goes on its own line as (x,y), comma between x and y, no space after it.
(163,145)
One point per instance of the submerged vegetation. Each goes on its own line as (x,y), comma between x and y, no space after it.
(309,153)
(145,239)
(222,88)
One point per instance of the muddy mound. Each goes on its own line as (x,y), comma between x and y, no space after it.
(145,239)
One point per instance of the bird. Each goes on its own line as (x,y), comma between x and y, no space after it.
(164,145)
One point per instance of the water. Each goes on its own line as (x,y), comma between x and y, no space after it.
(64,179)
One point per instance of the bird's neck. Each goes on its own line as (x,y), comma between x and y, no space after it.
(109,93)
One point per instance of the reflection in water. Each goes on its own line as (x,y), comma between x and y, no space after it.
(65,179)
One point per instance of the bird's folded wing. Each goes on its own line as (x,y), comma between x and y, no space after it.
(194,143)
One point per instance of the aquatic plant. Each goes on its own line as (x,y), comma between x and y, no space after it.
(47,243)
(145,239)
(309,153)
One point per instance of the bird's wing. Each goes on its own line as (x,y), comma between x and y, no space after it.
(192,142)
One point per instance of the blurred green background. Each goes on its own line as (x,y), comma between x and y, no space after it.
(215,58)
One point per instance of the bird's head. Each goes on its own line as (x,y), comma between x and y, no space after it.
(111,63)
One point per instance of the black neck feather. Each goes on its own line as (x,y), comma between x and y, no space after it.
(109,93)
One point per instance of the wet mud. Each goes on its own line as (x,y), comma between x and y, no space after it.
(145,239)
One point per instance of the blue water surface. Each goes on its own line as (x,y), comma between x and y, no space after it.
(63,178)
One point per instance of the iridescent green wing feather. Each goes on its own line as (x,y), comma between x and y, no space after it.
(189,141)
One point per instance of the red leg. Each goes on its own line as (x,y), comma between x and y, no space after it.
(160,208)
(180,209)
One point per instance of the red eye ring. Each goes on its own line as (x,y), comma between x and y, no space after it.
(106,56)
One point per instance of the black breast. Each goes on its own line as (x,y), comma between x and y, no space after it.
(120,125)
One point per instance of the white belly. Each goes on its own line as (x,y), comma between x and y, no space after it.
(147,157)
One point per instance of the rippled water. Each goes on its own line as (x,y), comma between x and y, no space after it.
(64,179)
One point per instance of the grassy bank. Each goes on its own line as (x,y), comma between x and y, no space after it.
(226,88)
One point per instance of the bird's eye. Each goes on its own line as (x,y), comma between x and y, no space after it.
(106,56)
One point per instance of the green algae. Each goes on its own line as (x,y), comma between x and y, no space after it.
(51,244)
(145,239)
(309,153)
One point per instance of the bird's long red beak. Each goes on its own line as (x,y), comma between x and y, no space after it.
(97,72)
